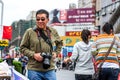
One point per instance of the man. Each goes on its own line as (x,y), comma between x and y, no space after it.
(110,67)
(37,45)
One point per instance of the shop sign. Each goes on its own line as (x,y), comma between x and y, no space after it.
(78,33)
(4,42)
(81,15)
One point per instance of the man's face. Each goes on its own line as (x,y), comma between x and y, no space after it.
(41,21)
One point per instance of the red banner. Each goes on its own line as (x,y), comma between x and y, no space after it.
(7,32)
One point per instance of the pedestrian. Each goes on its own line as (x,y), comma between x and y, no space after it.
(37,44)
(17,56)
(9,59)
(84,66)
(110,68)
(24,60)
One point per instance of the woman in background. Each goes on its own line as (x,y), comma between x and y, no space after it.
(84,66)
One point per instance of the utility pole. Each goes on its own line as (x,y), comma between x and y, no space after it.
(1,25)
(1,22)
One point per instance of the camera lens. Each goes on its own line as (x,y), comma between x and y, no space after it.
(46,60)
(46,63)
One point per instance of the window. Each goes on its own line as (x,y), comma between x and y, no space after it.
(98,15)
(103,12)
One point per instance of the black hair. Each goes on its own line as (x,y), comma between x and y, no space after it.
(107,28)
(43,11)
(85,35)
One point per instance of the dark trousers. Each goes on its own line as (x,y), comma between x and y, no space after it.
(83,77)
(23,70)
(109,74)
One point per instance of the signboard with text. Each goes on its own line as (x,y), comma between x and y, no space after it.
(81,15)
(78,33)
(71,40)
(63,15)
(4,42)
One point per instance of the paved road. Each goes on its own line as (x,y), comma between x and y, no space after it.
(65,75)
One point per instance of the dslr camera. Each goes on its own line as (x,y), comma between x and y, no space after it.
(46,59)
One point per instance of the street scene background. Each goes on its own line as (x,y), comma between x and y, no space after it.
(69,22)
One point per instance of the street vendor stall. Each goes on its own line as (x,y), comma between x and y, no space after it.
(9,73)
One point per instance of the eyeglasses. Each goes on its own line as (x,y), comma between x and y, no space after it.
(42,19)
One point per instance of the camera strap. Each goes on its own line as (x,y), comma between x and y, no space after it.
(46,38)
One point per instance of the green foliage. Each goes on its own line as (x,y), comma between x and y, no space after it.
(17,66)
(1,60)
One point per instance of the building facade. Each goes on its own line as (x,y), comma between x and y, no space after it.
(105,10)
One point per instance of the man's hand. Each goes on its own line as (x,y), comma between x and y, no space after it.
(54,55)
(38,57)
